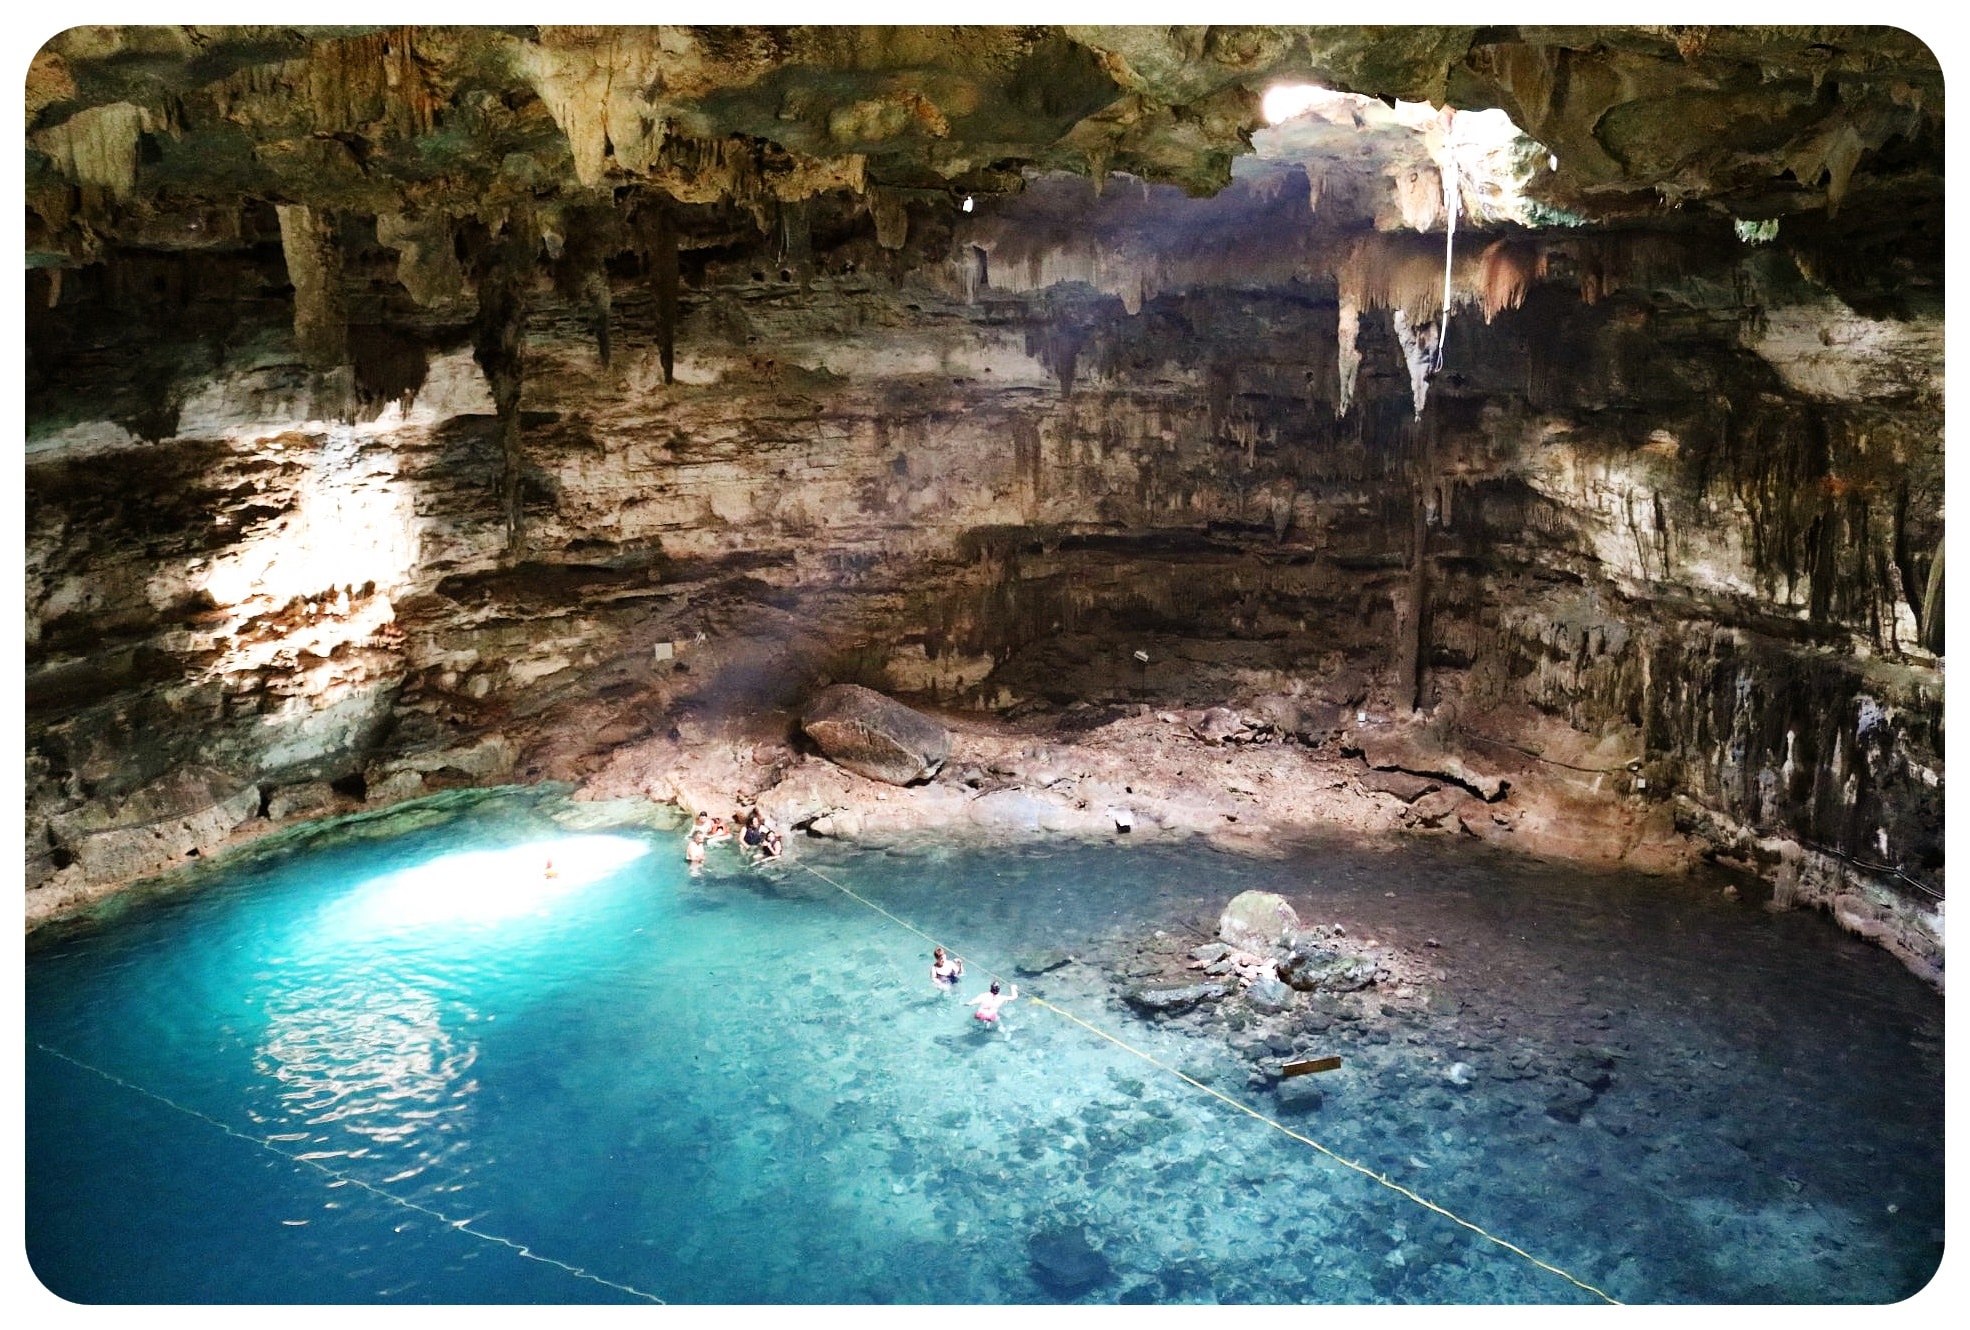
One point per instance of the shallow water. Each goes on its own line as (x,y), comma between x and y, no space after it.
(422,1070)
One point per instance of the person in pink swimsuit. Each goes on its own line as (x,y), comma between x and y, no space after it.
(988,1004)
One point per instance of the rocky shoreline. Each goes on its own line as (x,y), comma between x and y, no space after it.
(1242,780)
(1248,780)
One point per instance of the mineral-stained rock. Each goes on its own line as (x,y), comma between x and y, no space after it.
(875,736)
(1311,967)
(1412,751)
(1064,1264)
(1258,921)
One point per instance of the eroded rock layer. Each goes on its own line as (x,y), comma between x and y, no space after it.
(594,457)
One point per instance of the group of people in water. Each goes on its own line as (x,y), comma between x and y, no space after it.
(758,839)
(946,970)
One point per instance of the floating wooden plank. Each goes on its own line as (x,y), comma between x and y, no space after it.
(1310,1064)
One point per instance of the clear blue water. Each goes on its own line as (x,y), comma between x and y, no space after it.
(374,1069)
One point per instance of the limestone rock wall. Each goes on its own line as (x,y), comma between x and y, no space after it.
(1634,504)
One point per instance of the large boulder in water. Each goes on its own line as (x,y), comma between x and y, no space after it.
(875,736)
(1258,921)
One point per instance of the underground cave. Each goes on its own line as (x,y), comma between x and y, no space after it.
(1411,551)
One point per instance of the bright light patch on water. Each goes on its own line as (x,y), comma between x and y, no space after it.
(486,886)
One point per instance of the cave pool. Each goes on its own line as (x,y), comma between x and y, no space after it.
(359,1067)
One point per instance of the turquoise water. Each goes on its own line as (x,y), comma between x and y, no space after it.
(420,1069)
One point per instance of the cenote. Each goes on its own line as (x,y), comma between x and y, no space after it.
(415,1068)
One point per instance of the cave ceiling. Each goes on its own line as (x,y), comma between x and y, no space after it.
(164,137)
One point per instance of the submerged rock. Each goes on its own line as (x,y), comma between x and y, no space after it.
(1168,1000)
(1299,1094)
(1569,1102)
(1040,962)
(1064,1264)
(875,736)
(1268,994)
(1315,968)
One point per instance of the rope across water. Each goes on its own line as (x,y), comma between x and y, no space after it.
(522,1250)
(1246,1109)
(461,1225)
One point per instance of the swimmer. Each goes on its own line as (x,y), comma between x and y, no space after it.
(945,971)
(771,847)
(988,1004)
(702,823)
(718,833)
(550,870)
(754,834)
(694,849)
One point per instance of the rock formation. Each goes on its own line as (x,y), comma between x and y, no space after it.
(1538,438)
(875,736)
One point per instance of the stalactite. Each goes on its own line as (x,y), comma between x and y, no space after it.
(97,146)
(314,266)
(1411,639)
(502,269)
(663,283)
(427,261)
(655,223)
(797,239)
(1349,357)
(1506,272)
(1419,351)
(353,83)
(891,216)
(594,81)
(1932,604)
(590,234)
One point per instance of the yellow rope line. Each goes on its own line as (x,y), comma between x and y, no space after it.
(460,1225)
(1246,1109)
